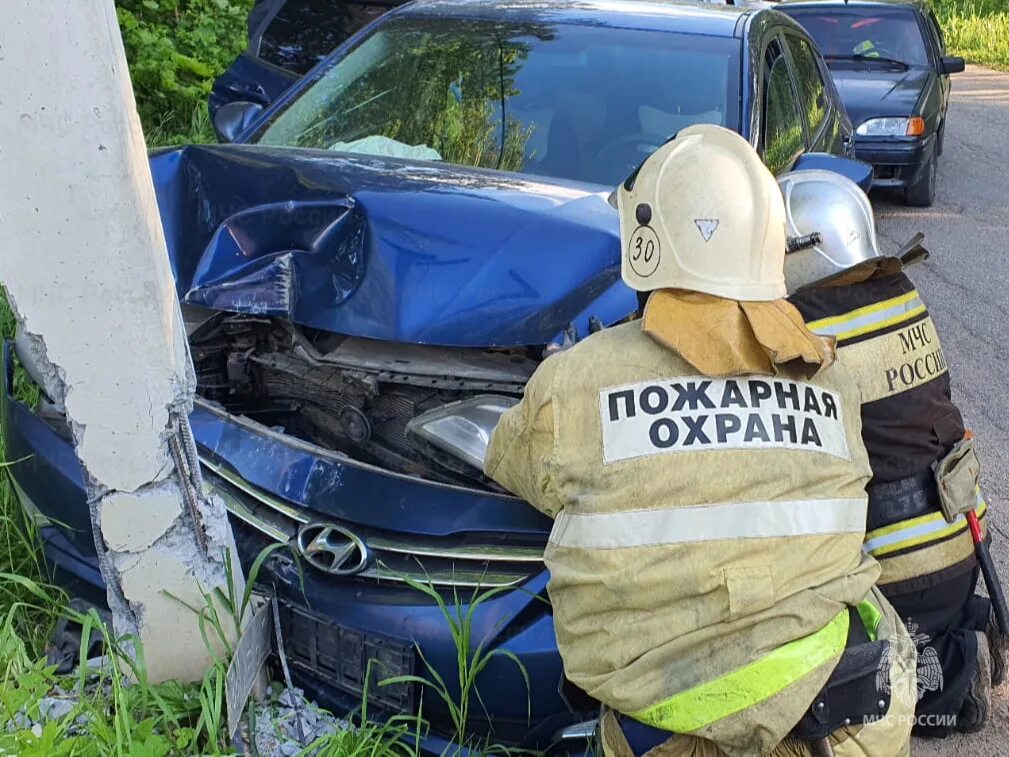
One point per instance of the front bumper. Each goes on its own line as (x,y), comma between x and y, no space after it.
(896,161)
(334,625)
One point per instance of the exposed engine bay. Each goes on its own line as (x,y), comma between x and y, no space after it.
(356,396)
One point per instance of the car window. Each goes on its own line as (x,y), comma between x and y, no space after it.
(932,23)
(305,31)
(812,91)
(566,101)
(848,32)
(783,137)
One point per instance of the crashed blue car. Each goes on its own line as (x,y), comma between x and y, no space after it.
(375,273)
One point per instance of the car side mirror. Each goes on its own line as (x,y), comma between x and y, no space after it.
(856,170)
(234,118)
(952,64)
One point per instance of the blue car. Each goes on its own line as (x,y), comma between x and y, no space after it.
(376,270)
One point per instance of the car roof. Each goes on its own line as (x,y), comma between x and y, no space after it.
(710,19)
(852,3)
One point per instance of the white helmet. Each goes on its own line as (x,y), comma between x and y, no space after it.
(703,213)
(828,204)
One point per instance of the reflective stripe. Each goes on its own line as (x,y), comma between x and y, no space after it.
(917,531)
(870,318)
(871,616)
(713,700)
(681,525)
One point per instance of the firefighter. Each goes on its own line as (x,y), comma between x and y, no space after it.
(705,471)
(887,340)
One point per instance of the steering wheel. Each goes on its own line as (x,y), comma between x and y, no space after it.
(628,151)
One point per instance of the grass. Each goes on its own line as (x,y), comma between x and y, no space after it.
(199,131)
(976,29)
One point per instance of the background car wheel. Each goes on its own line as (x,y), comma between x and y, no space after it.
(921,194)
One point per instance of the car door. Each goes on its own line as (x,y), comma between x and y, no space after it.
(286,39)
(827,125)
(782,129)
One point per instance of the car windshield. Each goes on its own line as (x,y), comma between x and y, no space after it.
(865,33)
(564,101)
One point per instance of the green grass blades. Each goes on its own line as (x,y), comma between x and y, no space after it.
(976,29)
(109,712)
(472,657)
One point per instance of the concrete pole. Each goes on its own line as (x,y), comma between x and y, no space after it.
(84,260)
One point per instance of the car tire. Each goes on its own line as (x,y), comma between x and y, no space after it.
(921,194)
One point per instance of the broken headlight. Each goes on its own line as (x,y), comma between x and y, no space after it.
(462,429)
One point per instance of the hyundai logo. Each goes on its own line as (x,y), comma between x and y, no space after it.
(332,549)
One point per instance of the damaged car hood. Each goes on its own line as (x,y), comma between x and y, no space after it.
(389,249)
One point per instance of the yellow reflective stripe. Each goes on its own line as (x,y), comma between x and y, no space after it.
(713,700)
(851,315)
(875,317)
(917,531)
(870,615)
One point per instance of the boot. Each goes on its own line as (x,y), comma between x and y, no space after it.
(973,715)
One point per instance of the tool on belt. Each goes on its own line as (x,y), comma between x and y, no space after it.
(957,478)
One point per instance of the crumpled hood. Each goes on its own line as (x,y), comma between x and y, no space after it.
(389,249)
(873,91)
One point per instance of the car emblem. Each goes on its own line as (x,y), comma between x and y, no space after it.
(332,549)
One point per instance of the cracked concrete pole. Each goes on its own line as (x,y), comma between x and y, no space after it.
(84,260)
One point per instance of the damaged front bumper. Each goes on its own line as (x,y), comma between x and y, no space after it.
(459,540)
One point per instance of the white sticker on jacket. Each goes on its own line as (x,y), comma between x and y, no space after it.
(695,413)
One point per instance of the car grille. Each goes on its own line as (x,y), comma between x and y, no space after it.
(348,659)
(438,562)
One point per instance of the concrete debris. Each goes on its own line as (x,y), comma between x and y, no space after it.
(51,708)
(63,701)
(287,724)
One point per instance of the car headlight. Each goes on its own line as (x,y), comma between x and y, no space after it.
(462,428)
(912,126)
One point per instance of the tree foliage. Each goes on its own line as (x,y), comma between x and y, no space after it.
(175,50)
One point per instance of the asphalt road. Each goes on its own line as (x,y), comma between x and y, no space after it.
(965,284)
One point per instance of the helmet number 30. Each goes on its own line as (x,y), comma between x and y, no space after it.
(643,251)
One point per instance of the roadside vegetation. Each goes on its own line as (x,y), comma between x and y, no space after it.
(976,29)
(175,49)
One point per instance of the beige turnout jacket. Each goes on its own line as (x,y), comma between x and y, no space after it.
(708,532)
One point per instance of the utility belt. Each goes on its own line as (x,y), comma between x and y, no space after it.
(922,510)
(850,696)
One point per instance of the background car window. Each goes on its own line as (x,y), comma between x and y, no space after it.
(564,101)
(783,135)
(305,31)
(812,91)
(870,32)
(935,30)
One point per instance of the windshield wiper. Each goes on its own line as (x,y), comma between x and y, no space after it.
(860,57)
